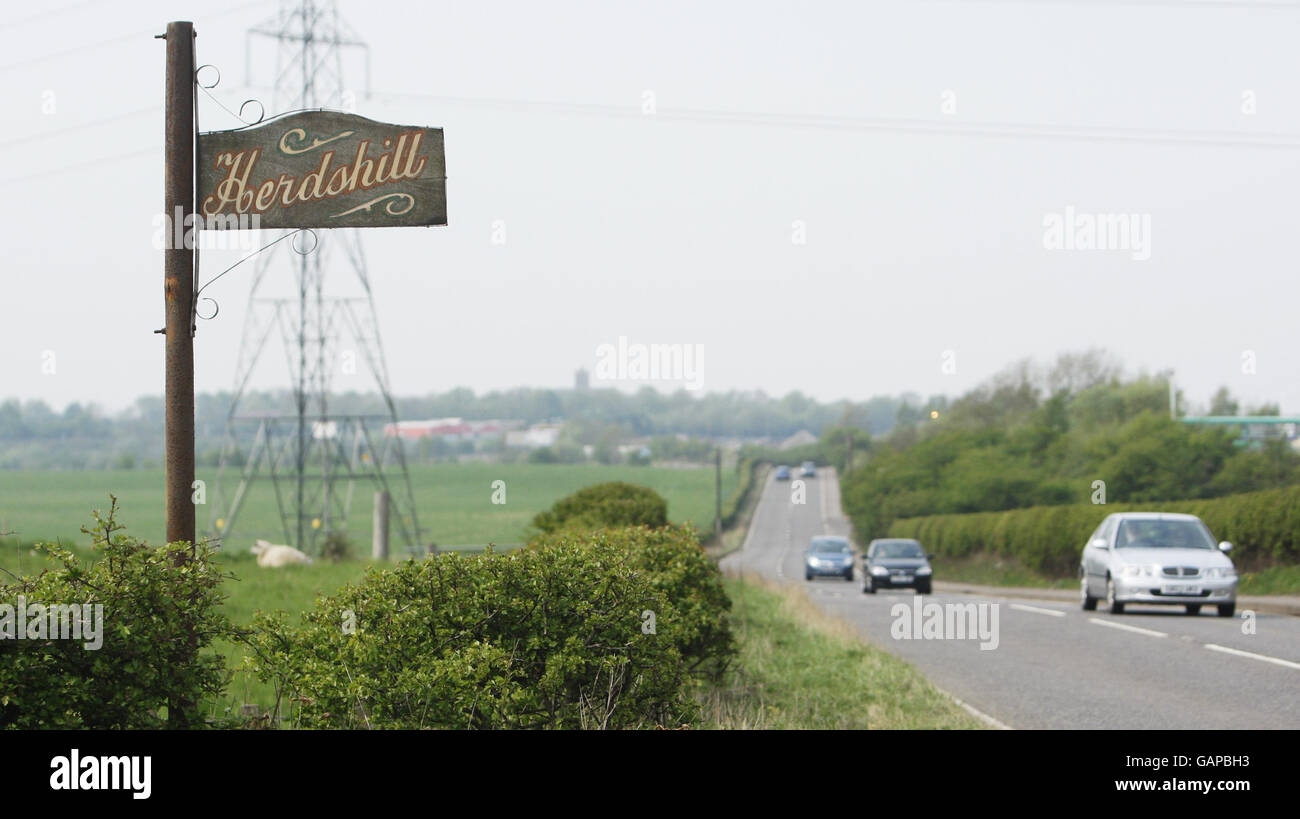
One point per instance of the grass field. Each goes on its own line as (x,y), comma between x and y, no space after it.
(453,501)
(799,668)
(454,504)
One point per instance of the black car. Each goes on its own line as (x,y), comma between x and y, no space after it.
(896,562)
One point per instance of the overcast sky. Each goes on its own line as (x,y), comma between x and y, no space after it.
(916,148)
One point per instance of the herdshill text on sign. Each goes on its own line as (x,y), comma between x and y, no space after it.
(322,169)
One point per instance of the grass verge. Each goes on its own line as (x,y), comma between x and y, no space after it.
(995,570)
(1277,580)
(803,669)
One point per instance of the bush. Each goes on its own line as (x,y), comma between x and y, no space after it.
(680,570)
(159,612)
(545,637)
(338,547)
(605,505)
(1263,526)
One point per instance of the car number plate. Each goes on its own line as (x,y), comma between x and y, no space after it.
(1181,588)
(902,578)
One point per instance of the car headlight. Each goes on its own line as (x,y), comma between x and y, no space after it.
(1138,571)
(1228,573)
(879,570)
(924,570)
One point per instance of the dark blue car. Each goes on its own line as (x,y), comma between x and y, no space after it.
(828,555)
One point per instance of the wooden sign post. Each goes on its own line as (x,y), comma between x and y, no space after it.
(178,284)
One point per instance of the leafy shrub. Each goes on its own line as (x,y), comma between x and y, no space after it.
(605,505)
(160,609)
(545,637)
(680,570)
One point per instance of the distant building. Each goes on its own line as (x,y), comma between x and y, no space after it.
(452,429)
(535,437)
(581,380)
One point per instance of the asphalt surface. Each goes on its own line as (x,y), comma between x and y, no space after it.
(1054,665)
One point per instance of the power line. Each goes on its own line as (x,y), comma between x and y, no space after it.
(94,123)
(156,150)
(49,13)
(122,38)
(1009,130)
(1002,130)
(79,49)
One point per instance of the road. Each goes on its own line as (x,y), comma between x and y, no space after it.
(1054,665)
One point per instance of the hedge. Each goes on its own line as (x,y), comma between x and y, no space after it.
(732,506)
(1264,528)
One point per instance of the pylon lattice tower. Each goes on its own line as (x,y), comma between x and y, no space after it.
(311,457)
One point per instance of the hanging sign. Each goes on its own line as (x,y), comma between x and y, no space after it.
(322,169)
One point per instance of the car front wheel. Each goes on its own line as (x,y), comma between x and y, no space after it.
(868,587)
(1227,609)
(1116,607)
(1089,602)
(1193,608)
(923,587)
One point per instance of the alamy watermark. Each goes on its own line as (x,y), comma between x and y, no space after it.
(215,232)
(75,772)
(1073,230)
(949,621)
(682,363)
(38,621)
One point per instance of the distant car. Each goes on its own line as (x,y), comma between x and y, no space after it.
(783,473)
(828,555)
(808,470)
(1158,559)
(896,562)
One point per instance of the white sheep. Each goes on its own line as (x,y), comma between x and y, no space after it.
(274,555)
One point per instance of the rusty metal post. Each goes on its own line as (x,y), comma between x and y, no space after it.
(178,283)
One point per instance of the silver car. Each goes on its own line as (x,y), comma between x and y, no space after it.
(1158,559)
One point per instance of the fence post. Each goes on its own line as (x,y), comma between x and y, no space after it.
(379,550)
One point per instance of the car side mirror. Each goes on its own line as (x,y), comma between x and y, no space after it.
(1101,543)
(929,557)
(1225,546)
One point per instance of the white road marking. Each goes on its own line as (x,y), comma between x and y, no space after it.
(1253,656)
(821,499)
(1134,629)
(1036,610)
(978,714)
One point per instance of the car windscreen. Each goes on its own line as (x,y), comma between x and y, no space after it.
(899,548)
(833,546)
(1162,534)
